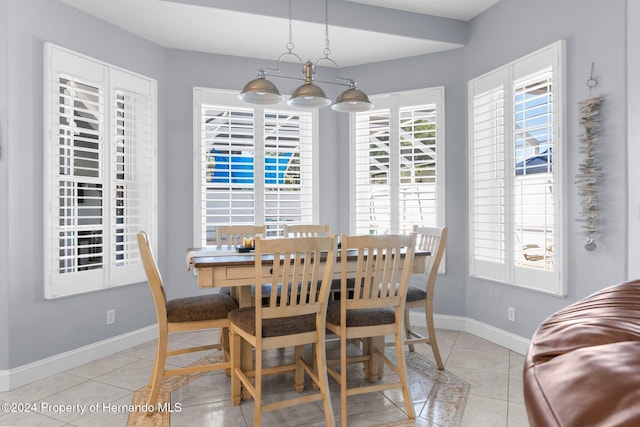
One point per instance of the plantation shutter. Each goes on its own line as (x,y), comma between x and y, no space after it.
(132,173)
(398,163)
(288,170)
(418,178)
(228,171)
(373,173)
(241,182)
(99,174)
(536,172)
(533,201)
(487,186)
(75,231)
(515,143)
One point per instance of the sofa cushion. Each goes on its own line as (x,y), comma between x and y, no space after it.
(583,364)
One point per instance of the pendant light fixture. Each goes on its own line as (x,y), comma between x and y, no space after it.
(309,95)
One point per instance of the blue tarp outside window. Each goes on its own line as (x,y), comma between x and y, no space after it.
(240,169)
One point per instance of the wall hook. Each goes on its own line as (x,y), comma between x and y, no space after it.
(592,81)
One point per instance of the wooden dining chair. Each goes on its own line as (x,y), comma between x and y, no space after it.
(233,235)
(183,315)
(311,230)
(371,310)
(298,230)
(303,267)
(306,230)
(433,240)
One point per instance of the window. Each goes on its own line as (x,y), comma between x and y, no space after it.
(398,179)
(254,165)
(515,172)
(99,148)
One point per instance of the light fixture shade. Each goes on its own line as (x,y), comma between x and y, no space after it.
(308,96)
(260,91)
(352,101)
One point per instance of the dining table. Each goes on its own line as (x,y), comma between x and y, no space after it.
(234,267)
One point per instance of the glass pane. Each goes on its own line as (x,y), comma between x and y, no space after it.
(533,166)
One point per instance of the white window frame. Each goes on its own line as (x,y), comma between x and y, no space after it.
(125,171)
(504,268)
(225,99)
(393,103)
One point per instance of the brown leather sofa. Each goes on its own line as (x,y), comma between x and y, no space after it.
(583,365)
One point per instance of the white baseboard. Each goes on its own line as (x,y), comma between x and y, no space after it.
(25,374)
(457,323)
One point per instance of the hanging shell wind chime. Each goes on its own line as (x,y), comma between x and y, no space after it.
(589,176)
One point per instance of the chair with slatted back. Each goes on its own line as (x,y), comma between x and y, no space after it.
(196,313)
(306,230)
(311,230)
(372,309)
(433,240)
(233,235)
(303,266)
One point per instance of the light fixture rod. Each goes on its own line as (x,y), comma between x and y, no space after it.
(327,52)
(338,77)
(301,79)
(308,95)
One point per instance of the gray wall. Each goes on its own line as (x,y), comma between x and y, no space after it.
(34,328)
(38,328)
(441,69)
(595,31)
(4,187)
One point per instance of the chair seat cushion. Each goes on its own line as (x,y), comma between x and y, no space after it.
(361,317)
(204,307)
(245,319)
(415,294)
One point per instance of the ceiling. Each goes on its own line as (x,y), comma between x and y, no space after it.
(454,9)
(360,31)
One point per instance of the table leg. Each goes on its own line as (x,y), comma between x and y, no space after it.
(374,368)
(242,294)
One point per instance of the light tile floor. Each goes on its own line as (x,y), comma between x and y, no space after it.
(495,398)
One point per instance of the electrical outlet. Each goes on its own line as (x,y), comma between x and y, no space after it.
(111,316)
(511,314)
